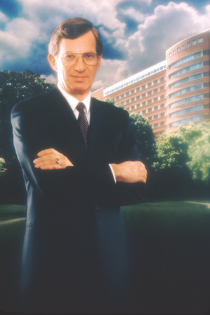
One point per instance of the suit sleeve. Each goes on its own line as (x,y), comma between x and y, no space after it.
(92,183)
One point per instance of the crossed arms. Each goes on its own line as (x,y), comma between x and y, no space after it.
(126,172)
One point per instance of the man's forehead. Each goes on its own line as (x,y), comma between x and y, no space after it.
(83,43)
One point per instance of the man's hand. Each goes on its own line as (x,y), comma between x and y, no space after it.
(50,159)
(130,172)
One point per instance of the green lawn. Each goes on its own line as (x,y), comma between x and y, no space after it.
(169,245)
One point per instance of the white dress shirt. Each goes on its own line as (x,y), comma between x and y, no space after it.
(72,101)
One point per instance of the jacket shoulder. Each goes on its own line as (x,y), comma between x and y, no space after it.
(110,108)
(33,103)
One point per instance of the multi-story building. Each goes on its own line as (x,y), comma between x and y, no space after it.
(172,92)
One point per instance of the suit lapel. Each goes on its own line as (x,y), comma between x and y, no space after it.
(68,136)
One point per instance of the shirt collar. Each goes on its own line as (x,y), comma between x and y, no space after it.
(73,101)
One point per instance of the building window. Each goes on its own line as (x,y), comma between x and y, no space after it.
(187,110)
(153,109)
(124,94)
(135,107)
(187,79)
(181,71)
(200,40)
(158,98)
(146,111)
(146,94)
(183,47)
(146,103)
(140,104)
(194,42)
(141,112)
(129,93)
(140,96)
(186,121)
(185,59)
(115,99)
(146,86)
(186,90)
(152,117)
(169,55)
(129,108)
(152,100)
(129,100)
(174,52)
(159,116)
(188,44)
(152,126)
(152,92)
(152,83)
(158,89)
(140,89)
(119,97)
(187,100)
(134,98)
(158,124)
(158,81)
(159,107)
(178,49)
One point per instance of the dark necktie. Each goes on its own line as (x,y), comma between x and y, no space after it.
(82,120)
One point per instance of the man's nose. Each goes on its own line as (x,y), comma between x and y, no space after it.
(79,64)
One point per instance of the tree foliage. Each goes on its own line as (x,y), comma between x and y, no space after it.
(198,138)
(171,152)
(145,139)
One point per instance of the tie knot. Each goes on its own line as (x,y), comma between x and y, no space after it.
(80,107)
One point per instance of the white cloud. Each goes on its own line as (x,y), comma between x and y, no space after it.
(133,14)
(99,12)
(168,25)
(110,72)
(16,39)
(50,78)
(3,18)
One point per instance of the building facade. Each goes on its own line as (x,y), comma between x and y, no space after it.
(171,93)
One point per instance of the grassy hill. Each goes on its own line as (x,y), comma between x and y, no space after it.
(169,244)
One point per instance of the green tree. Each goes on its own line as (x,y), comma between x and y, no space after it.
(197,137)
(145,139)
(2,167)
(171,152)
(199,154)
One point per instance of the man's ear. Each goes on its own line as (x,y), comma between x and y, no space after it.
(52,62)
(99,62)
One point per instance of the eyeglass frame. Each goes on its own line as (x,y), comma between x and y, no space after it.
(77,56)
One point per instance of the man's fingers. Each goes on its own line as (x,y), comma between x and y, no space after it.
(47,151)
(48,157)
(51,159)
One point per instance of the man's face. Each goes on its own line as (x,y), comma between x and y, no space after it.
(78,78)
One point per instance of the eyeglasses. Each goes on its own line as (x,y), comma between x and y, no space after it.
(70,59)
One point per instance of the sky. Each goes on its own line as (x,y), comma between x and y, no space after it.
(135,33)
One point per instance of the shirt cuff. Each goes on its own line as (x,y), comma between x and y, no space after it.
(113,174)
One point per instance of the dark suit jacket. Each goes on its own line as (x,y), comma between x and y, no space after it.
(73,214)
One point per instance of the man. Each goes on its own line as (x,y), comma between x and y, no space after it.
(79,165)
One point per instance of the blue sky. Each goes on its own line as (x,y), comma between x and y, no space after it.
(136,33)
